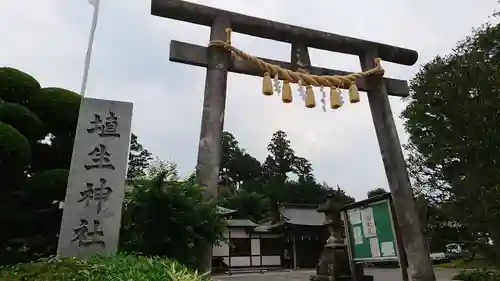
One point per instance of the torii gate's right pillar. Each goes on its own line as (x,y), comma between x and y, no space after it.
(415,246)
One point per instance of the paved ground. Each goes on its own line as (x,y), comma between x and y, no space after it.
(303,275)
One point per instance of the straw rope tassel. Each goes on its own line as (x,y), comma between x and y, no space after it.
(335,101)
(267,85)
(310,100)
(353,93)
(336,81)
(286,95)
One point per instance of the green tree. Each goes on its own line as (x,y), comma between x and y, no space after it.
(281,158)
(454,142)
(138,159)
(255,190)
(230,151)
(279,164)
(249,205)
(237,166)
(339,194)
(375,192)
(169,218)
(161,167)
(303,169)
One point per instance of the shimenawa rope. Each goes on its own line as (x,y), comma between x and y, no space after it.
(293,76)
(304,79)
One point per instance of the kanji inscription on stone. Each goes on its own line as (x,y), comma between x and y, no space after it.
(94,196)
(86,235)
(101,158)
(106,128)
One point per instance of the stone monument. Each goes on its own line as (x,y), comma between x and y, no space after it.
(92,208)
(334,263)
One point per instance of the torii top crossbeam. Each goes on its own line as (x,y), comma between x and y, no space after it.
(204,15)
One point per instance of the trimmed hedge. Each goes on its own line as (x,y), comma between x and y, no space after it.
(23,119)
(58,109)
(14,147)
(49,185)
(17,86)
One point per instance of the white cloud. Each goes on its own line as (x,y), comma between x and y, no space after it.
(48,39)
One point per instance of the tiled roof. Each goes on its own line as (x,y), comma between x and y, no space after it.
(302,215)
(266,227)
(224,211)
(240,223)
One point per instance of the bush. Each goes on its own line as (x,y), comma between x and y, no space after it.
(169,218)
(17,86)
(21,118)
(478,275)
(58,108)
(55,155)
(115,268)
(48,186)
(14,147)
(470,264)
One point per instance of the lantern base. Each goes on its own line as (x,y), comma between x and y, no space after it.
(333,265)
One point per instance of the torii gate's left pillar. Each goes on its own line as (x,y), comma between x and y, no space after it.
(214,104)
(212,123)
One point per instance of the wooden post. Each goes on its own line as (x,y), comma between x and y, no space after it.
(229,245)
(357,272)
(260,254)
(299,58)
(397,175)
(212,120)
(294,250)
(403,260)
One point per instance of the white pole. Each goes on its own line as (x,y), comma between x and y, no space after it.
(94,3)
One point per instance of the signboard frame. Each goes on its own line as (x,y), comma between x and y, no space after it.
(369,205)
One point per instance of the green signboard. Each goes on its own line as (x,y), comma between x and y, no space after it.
(370,231)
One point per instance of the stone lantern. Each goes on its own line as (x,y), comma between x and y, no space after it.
(333,264)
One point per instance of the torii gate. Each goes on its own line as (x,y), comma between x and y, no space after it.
(220,57)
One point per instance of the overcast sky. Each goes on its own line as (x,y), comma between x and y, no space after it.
(48,39)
